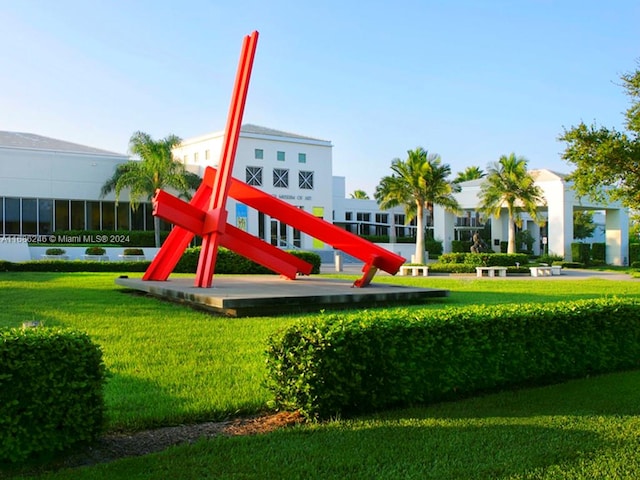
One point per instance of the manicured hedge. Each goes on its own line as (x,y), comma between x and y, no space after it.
(485,259)
(598,252)
(355,363)
(51,392)
(226,262)
(581,252)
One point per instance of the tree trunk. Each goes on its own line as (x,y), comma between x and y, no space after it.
(511,246)
(419,255)
(156,230)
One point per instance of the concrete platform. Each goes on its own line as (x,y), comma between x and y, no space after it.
(261,295)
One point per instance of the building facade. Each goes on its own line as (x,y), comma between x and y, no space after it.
(49,185)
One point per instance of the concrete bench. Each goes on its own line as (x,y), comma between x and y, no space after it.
(541,271)
(491,271)
(415,270)
(556,270)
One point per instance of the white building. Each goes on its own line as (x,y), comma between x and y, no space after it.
(49,185)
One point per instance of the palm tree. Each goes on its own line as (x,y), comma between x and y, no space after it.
(417,183)
(360,195)
(509,184)
(155,169)
(469,173)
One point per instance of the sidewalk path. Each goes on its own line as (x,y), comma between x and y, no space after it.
(567,274)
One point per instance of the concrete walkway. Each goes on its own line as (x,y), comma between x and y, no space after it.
(567,274)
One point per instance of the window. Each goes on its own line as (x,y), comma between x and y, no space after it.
(29,215)
(184,159)
(258,154)
(281,177)
(45,216)
(348,216)
(78,215)
(302,158)
(195,157)
(62,215)
(280,156)
(206,154)
(253,176)
(12,215)
(305,180)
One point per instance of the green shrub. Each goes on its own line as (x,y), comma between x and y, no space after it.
(434,247)
(230,262)
(95,251)
(570,264)
(504,247)
(461,246)
(51,392)
(635,264)
(598,252)
(581,252)
(485,259)
(133,251)
(55,251)
(367,361)
(634,252)
(550,258)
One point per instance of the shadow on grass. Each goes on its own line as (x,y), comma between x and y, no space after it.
(366,451)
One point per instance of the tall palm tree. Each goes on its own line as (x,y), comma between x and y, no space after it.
(509,184)
(360,195)
(155,169)
(469,173)
(418,183)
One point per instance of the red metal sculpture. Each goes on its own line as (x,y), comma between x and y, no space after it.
(206,214)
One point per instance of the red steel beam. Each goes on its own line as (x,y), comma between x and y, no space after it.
(216,216)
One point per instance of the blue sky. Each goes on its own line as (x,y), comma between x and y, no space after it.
(469,80)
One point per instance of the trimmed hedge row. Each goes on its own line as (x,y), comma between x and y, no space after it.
(226,262)
(51,392)
(350,364)
(485,259)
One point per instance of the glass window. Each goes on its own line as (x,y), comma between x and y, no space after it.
(281,177)
(253,176)
(62,215)
(305,180)
(93,215)
(108,216)
(45,216)
(137,217)
(302,158)
(1,215)
(12,216)
(206,154)
(78,215)
(280,156)
(122,212)
(258,154)
(29,215)
(148,217)
(195,157)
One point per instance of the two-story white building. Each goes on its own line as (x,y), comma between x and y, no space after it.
(49,185)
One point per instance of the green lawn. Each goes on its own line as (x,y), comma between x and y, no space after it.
(169,364)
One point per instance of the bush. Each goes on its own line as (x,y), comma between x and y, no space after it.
(598,252)
(485,259)
(634,252)
(581,252)
(230,262)
(373,360)
(95,251)
(51,392)
(461,246)
(133,251)
(550,258)
(570,264)
(55,251)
